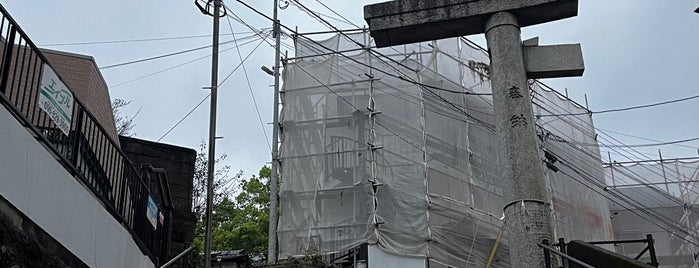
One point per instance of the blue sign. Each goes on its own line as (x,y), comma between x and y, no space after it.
(152,212)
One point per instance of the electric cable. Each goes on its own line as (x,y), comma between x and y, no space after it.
(647,139)
(172,67)
(631,107)
(596,158)
(638,180)
(202,101)
(629,209)
(164,55)
(338,14)
(588,132)
(402,75)
(247,79)
(246,57)
(265,16)
(132,40)
(345,56)
(389,130)
(639,145)
(635,154)
(360,44)
(597,183)
(184,117)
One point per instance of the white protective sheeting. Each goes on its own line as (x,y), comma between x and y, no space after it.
(396,147)
(667,194)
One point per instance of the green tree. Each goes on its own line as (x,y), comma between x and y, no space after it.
(223,188)
(241,222)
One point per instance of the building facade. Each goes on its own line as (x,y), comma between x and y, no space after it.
(396,148)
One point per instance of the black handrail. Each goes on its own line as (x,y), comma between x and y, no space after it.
(89,151)
(547,255)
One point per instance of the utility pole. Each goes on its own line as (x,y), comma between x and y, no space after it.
(274,180)
(211,167)
(526,208)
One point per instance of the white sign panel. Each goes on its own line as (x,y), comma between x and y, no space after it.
(152,212)
(56,100)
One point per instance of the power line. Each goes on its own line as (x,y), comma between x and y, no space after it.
(172,67)
(599,163)
(619,195)
(164,55)
(629,108)
(241,62)
(338,14)
(184,117)
(202,101)
(655,216)
(663,224)
(402,75)
(389,130)
(156,57)
(247,79)
(643,138)
(374,51)
(637,145)
(131,40)
(596,158)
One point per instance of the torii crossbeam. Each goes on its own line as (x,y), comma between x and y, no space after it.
(398,22)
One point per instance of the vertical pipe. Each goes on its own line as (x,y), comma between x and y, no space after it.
(75,153)
(611,168)
(7,59)
(651,250)
(274,180)
(662,167)
(547,254)
(212,138)
(527,207)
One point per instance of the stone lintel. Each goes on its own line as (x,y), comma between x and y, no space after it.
(409,21)
(553,61)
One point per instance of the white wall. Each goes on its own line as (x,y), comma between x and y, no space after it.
(34,182)
(380,259)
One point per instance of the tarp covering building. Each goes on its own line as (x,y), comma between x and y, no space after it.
(657,198)
(396,147)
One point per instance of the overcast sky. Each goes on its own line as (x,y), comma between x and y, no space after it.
(636,52)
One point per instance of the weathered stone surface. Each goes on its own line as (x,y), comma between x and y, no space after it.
(410,21)
(527,212)
(553,61)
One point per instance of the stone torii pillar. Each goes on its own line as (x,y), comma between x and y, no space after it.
(398,22)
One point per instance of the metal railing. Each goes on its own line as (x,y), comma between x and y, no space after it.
(548,250)
(561,249)
(88,151)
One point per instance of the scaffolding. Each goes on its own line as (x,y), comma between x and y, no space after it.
(396,147)
(668,189)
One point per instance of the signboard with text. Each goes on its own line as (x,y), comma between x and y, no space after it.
(152,212)
(56,100)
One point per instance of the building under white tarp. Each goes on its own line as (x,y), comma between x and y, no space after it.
(396,147)
(666,194)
